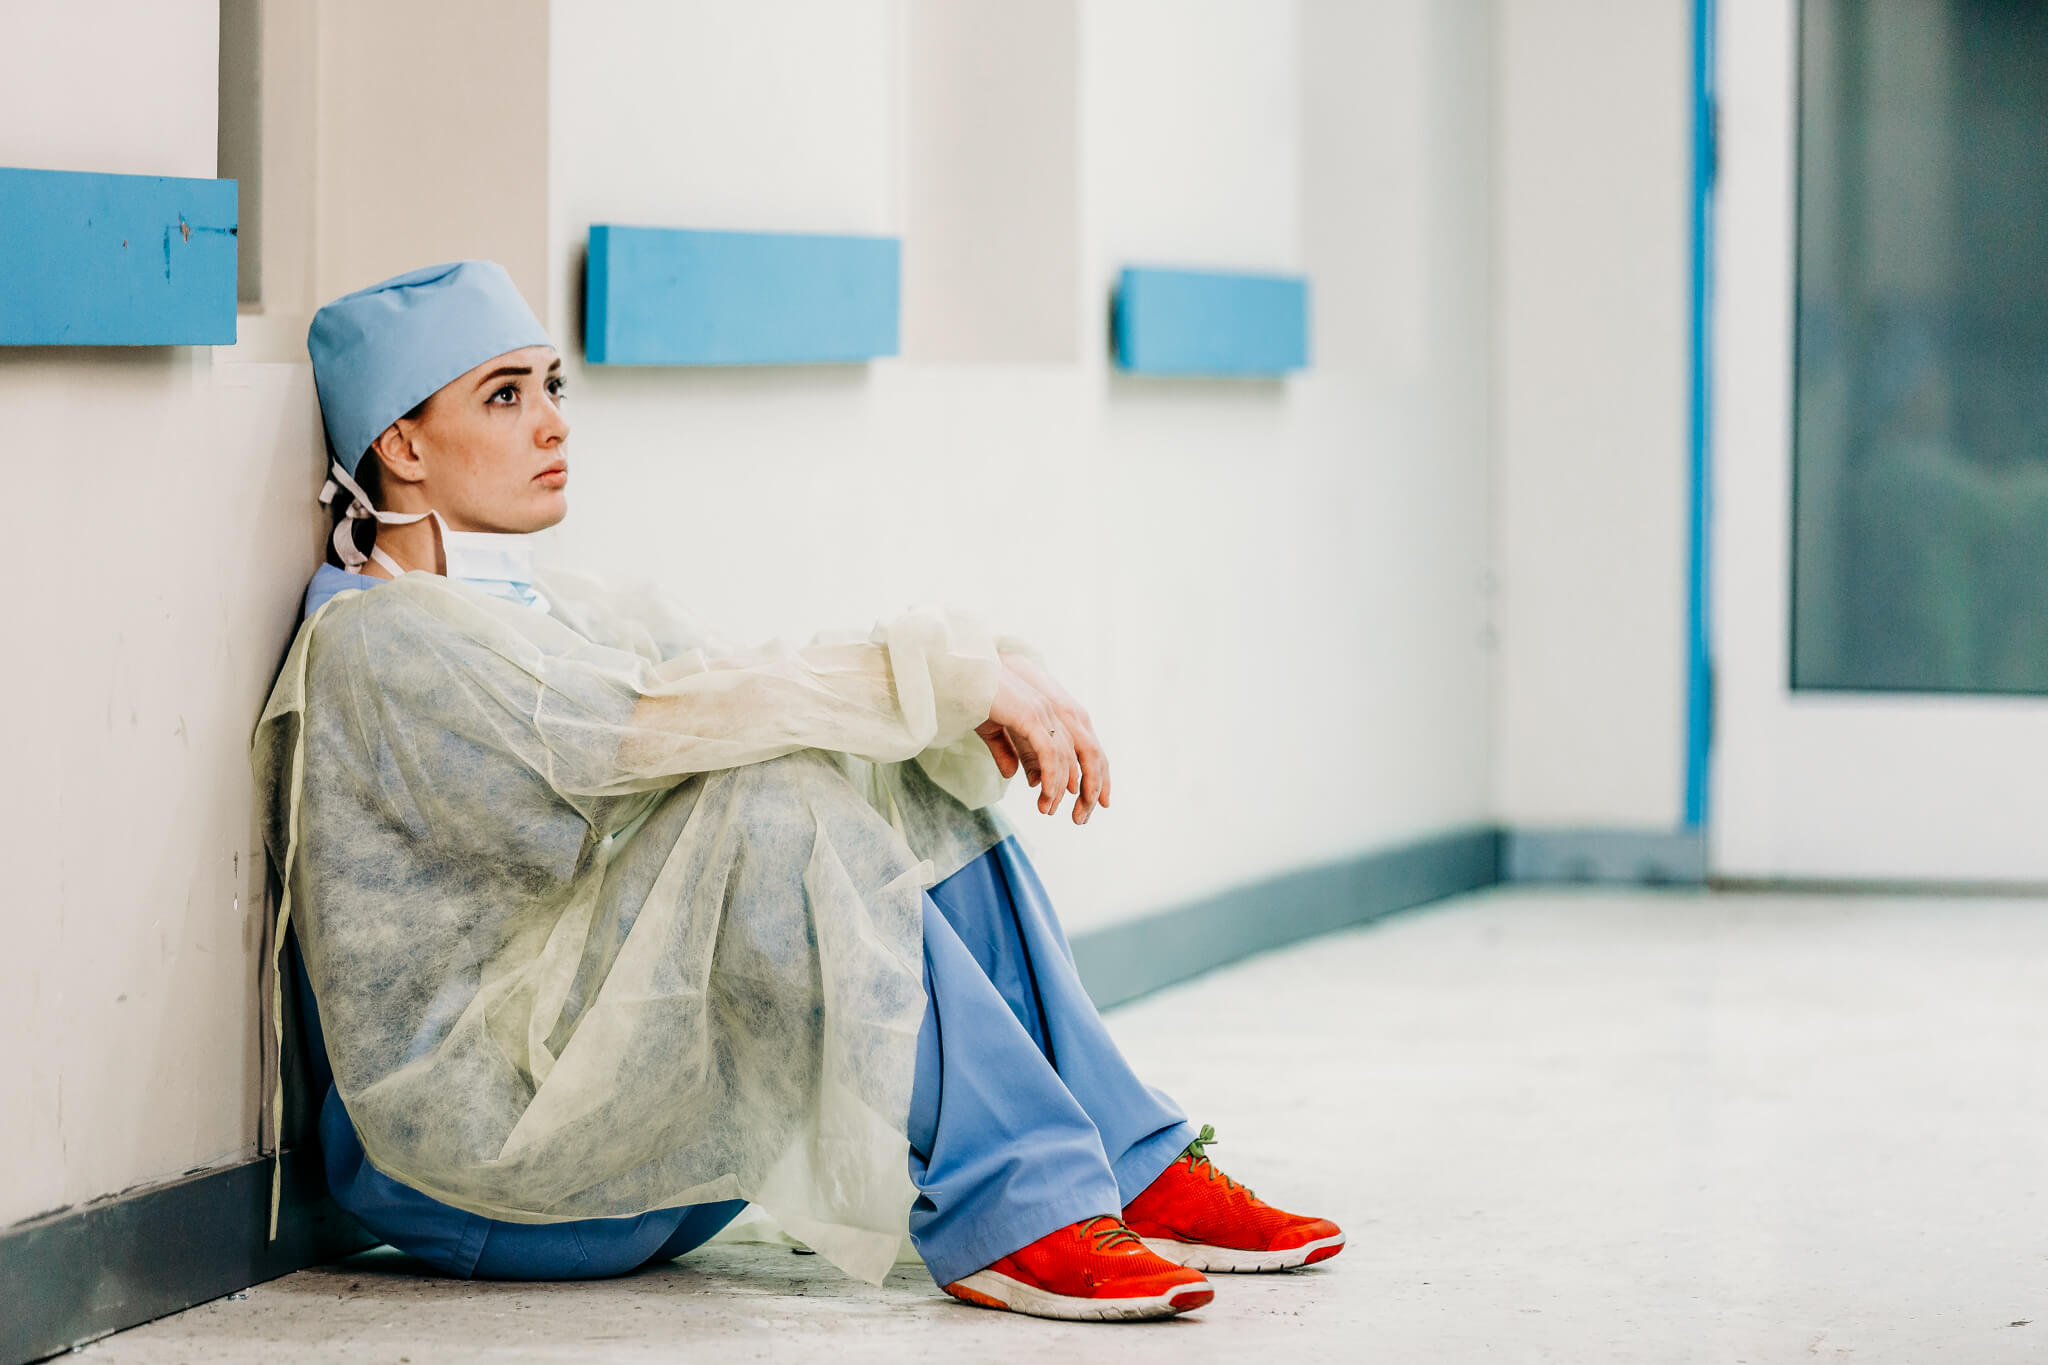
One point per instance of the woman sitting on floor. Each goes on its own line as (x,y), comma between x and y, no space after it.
(613,925)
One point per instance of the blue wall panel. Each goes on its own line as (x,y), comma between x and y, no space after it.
(1210,322)
(116,260)
(677,296)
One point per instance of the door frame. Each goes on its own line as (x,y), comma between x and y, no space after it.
(1819,785)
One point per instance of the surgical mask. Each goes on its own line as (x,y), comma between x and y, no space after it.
(501,565)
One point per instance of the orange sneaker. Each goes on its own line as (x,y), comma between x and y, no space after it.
(1096,1269)
(1197,1216)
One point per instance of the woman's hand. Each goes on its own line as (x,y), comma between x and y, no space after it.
(1036,725)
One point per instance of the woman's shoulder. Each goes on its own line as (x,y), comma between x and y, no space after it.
(412,640)
(328,581)
(393,620)
(356,612)
(408,593)
(337,597)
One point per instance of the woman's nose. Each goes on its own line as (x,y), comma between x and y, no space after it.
(554,428)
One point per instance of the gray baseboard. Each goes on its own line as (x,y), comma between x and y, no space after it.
(1127,960)
(1630,857)
(85,1272)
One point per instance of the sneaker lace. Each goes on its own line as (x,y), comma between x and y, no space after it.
(1198,1155)
(1110,1233)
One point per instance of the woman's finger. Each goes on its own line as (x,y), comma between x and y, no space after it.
(1091,783)
(1085,781)
(1054,779)
(1004,753)
(1029,755)
(1101,771)
(1060,768)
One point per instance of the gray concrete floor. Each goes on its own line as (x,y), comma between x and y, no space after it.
(1573,1127)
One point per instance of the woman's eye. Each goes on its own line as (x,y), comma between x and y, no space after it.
(559,388)
(508,394)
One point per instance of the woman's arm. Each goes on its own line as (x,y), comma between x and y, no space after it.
(926,677)
(917,684)
(597,721)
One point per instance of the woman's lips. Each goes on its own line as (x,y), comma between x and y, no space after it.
(554,476)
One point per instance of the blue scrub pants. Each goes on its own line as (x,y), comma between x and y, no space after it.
(1024,1117)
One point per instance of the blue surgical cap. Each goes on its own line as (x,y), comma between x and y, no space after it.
(380,352)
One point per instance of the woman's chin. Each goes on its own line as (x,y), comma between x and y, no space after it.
(549,509)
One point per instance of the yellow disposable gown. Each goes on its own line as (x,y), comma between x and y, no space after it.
(605,915)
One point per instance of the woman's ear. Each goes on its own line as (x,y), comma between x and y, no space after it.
(400,458)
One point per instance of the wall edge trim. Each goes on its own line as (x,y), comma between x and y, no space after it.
(76,1275)
(1123,961)
(1614,857)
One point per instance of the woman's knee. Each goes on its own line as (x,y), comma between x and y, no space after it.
(699,1225)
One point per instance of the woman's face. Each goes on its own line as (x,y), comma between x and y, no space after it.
(488,451)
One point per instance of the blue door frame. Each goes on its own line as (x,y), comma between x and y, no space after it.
(1699,671)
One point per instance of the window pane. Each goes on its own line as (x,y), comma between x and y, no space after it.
(1921,432)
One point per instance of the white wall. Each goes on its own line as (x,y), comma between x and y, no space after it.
(1594,236)
(1270,595)
(989,170)
(102,85)
(157,541)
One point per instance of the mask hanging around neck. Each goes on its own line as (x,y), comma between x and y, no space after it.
(498,564)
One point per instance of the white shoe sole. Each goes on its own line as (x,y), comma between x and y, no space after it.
(1231,1261)
(1019,1297)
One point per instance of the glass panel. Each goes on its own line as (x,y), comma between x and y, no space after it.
(1920,446)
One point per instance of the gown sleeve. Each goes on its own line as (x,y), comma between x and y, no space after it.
(922,679)
(1017,644)
(641,617)
(597,720)
(962,767)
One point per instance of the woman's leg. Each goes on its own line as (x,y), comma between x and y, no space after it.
(700,1224)
(1000,1151)
(1024,1119)
(470,1246)
(1185,1209)
(594,1248)
(1003,1148)
(1001,914)
(588,1249)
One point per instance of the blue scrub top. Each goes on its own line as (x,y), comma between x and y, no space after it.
(327,581)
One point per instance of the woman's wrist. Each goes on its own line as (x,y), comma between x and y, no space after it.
(1017,644)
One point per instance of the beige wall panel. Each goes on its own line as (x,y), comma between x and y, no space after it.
(432,130)
(1594,229)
